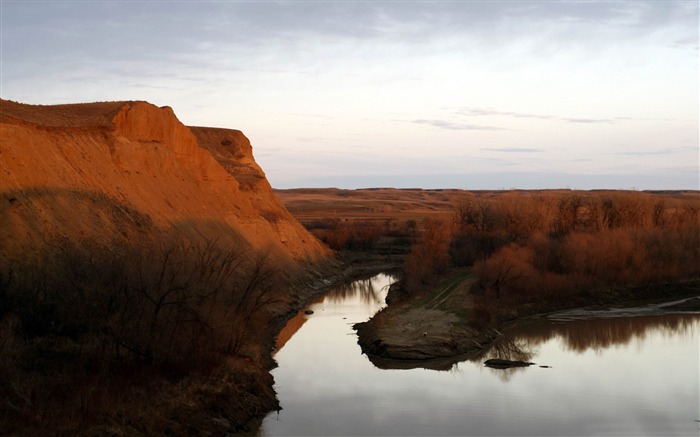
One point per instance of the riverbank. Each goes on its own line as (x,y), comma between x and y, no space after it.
(346,267)
(426,327)
(327,387)
(50,382)
(449,322)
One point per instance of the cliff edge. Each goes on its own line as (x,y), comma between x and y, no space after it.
(114,171)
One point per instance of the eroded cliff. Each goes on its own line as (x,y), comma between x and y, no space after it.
(128,170)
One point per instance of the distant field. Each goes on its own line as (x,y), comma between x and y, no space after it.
(310,204)
(379,204)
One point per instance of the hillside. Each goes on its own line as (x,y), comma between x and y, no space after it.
(145,267)
(128,170)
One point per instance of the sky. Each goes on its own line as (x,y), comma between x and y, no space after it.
(350,94)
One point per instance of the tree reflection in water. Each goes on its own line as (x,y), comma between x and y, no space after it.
(601,333)
(327,387)
(363,289)
(507,348)
(520,342)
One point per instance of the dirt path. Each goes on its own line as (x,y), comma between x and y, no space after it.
(434,326)
(463,279)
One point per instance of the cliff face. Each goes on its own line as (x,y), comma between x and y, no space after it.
(129,170)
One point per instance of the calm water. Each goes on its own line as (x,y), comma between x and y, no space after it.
(609,376)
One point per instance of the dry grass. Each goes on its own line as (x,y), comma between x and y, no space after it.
(72,115)
(310,204)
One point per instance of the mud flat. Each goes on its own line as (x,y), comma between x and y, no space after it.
(420,334)
(407,334)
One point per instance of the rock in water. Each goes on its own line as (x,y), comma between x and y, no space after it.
(498,363)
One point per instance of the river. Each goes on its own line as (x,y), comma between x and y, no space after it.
(627,376)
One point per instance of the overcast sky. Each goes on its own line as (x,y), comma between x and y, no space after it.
(459,94)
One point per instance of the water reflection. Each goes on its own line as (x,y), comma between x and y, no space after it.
(621,376)
(367,292)
(362,290)
(521,342)
(602,333)
(293,325)
(507,348)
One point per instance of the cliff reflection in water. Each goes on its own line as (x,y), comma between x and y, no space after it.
(362,291)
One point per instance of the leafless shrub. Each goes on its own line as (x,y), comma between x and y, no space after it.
(86,310)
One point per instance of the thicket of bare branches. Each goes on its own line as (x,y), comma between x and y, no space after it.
(582,242)
(76,319)
(528,246)
(429,256)
(354,235)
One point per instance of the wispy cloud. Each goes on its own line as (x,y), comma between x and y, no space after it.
(686,42)
(669,151)
(324,116)
(511,149)
(643,119)
(480,112)
(467,112)
(318,139)
(589,120)
(451,125)
(489,112)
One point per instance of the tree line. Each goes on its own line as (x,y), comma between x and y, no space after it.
(547,247)
(362,234)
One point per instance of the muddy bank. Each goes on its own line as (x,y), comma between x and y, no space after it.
(630,309)
(407,335)
(420,334)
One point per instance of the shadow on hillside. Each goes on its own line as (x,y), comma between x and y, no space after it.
(33,216)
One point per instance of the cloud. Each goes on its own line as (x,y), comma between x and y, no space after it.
(690,41)
(642,119)
(147,30)
(318,139)
(479,112)
(323,116)
(668,151)
(588,120)
(450,125)
(488,112)
(512,149)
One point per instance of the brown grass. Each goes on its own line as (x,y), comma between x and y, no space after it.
(97,114)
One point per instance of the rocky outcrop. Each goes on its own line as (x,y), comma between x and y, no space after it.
(129,170)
